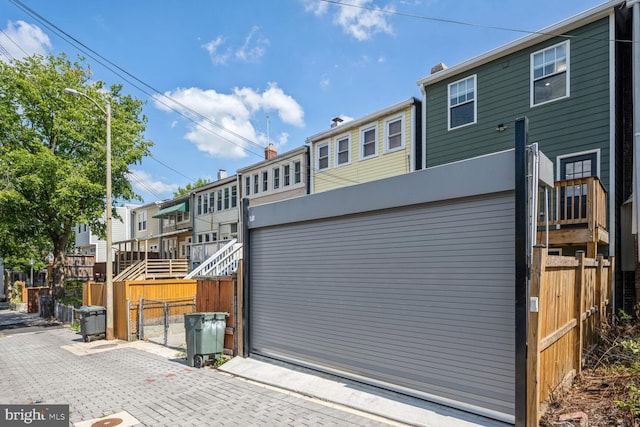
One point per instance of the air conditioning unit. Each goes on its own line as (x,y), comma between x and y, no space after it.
(211,209)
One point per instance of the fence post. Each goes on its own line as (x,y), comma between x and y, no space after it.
(598,291)
(141,319)
(578,301)
(166,322)
(533,339)
(609,293)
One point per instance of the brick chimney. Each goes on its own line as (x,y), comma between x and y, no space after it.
(270,152)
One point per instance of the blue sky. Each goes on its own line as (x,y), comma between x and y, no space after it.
(273,71)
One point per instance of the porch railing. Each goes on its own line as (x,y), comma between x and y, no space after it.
(222,263)
(155,269)
(581,201)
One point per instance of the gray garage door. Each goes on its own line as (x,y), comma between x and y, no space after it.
(414,297)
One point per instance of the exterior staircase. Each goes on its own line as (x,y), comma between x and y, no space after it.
(222,263)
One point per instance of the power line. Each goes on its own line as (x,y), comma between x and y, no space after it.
(464,23)
(163,99)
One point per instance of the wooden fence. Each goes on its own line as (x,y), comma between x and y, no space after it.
(573,297)
(94,293)
(219,294)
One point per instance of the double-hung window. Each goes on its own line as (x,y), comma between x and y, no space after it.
(234,196)
(205,203)
(287,175)
(276,178)
(462,102)
(247,185)
(265,181)
(343,153)
(256,185)
(394,133)
(368,142)
(226,198)
(297,172)
(142,221)
(323,157)
(550,74)
(219,196)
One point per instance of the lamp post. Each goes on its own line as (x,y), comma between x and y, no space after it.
(109,269)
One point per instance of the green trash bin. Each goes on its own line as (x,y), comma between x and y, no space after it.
(205,336)
(93,321)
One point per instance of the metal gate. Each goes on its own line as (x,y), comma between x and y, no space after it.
(405,283)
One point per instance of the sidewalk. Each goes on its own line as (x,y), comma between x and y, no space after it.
(372,400)
(151,384)
(140,383)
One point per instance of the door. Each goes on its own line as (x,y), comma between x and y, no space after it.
(573,201)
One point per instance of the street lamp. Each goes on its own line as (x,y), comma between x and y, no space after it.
(109,270)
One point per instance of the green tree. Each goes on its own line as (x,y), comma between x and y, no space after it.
(190,187)
(52,154)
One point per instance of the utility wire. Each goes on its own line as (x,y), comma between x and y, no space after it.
(158,96)
(464,23)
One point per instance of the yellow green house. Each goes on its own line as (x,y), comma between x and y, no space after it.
(379,145)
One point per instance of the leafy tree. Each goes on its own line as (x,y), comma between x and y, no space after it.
(190,187)
(52,154)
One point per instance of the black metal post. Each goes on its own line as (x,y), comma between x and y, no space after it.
(522,270)
(246,257)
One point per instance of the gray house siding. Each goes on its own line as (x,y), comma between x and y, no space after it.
(578,123)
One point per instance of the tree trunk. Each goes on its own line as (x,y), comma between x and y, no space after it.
(58,267)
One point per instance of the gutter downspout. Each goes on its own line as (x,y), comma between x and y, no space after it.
(423,117)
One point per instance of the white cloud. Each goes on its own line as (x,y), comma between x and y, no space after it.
(21,39)
(143,182)
(253,48)
(325,82)
(361,22)
(317,7)
(212,48)
(232,131)
(357,18)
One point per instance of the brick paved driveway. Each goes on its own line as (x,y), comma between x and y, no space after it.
(157,391)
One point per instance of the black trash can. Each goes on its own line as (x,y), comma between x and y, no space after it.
(205,336)
(45,306)
(93,321)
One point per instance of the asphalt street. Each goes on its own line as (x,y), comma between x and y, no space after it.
(141,384)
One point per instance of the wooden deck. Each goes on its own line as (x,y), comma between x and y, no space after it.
(578,215)
(155,269)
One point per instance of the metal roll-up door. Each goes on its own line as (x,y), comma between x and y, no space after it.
(418,299)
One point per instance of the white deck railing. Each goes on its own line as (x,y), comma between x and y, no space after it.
(222,263)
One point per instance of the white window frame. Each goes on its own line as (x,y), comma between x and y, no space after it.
(276,178)
(318,158)
(363,130)
(336,145)
(286,175)
(475,102)
(577,154)
(142,221)
(247,188)
(234,196)
(403,137)
(297,172)
(256,183)
(567,74)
